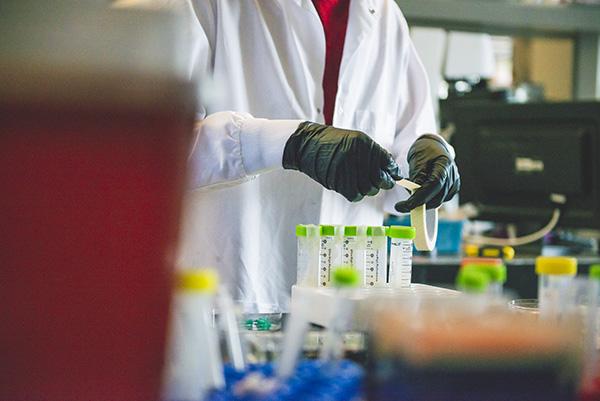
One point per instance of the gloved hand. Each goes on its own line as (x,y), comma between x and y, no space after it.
(431,165)
(349,162)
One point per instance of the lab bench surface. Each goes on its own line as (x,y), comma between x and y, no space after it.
(521,278)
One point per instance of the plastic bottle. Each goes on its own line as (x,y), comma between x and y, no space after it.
(496,272)
(555,275)
(308,255)
(376,257)
(401,245)
(329,253)
(193,366)
(472,281)
(344,278)
(475,284)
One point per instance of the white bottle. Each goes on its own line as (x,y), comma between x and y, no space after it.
(193,365)
(401,246)
(308,255)
(555,276)
(376,257)
(329,253)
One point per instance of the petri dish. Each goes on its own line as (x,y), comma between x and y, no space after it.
(524,306)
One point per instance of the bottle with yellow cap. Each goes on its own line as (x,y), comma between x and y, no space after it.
(555,274)
(193,365)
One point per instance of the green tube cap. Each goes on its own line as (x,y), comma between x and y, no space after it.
(327,230)
(350,231)
(595,272)
(300,230)
(495,272)
(376,231)
(472,281)
(404,232)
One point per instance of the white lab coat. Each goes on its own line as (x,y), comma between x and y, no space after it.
(267,58)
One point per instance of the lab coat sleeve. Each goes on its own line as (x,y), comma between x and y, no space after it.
(415,113)
(228,147)
(232,147)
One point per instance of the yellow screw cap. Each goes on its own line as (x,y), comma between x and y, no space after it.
(556,265)
(471,250)
(198,280)
(508,252)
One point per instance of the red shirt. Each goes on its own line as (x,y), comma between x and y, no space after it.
(334,16)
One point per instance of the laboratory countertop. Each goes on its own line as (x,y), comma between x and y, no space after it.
(441,271)
(528,260)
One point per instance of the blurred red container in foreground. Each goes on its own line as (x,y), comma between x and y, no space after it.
(91,178)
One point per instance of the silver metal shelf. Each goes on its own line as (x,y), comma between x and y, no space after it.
(497,16)
(510,17)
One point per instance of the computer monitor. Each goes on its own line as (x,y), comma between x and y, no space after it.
(513,156)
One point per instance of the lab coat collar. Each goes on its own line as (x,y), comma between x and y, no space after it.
(363,9)
(362,18)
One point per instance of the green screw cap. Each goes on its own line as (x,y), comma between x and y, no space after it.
(376,231)
(495,272)
(345,276)
(472,281)
(404,232)
(300,230)
(327,230)
(350,231)
(595,272)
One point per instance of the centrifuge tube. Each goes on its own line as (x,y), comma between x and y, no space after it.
(308,255)
(555,276)
(376,257)
(329,253)
(401,244)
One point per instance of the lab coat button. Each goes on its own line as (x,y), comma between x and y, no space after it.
(318,110)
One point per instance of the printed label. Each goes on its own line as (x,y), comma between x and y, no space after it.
(400,263)
(325,260)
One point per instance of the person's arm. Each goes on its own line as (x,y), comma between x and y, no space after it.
(232,147)
(424,156)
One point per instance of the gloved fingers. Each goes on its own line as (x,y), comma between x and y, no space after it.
(384,180)
(455,179)
(390,166)
(331,170)
(370,176)
(349,188)
(349,193)
(420,197)
(430,188)
(437,199)
(364,182)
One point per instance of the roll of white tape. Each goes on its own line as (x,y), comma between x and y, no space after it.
(424,221)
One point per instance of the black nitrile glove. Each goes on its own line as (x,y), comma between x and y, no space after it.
(431,166)
(349,162)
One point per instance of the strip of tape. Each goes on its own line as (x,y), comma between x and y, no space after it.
(424,221)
